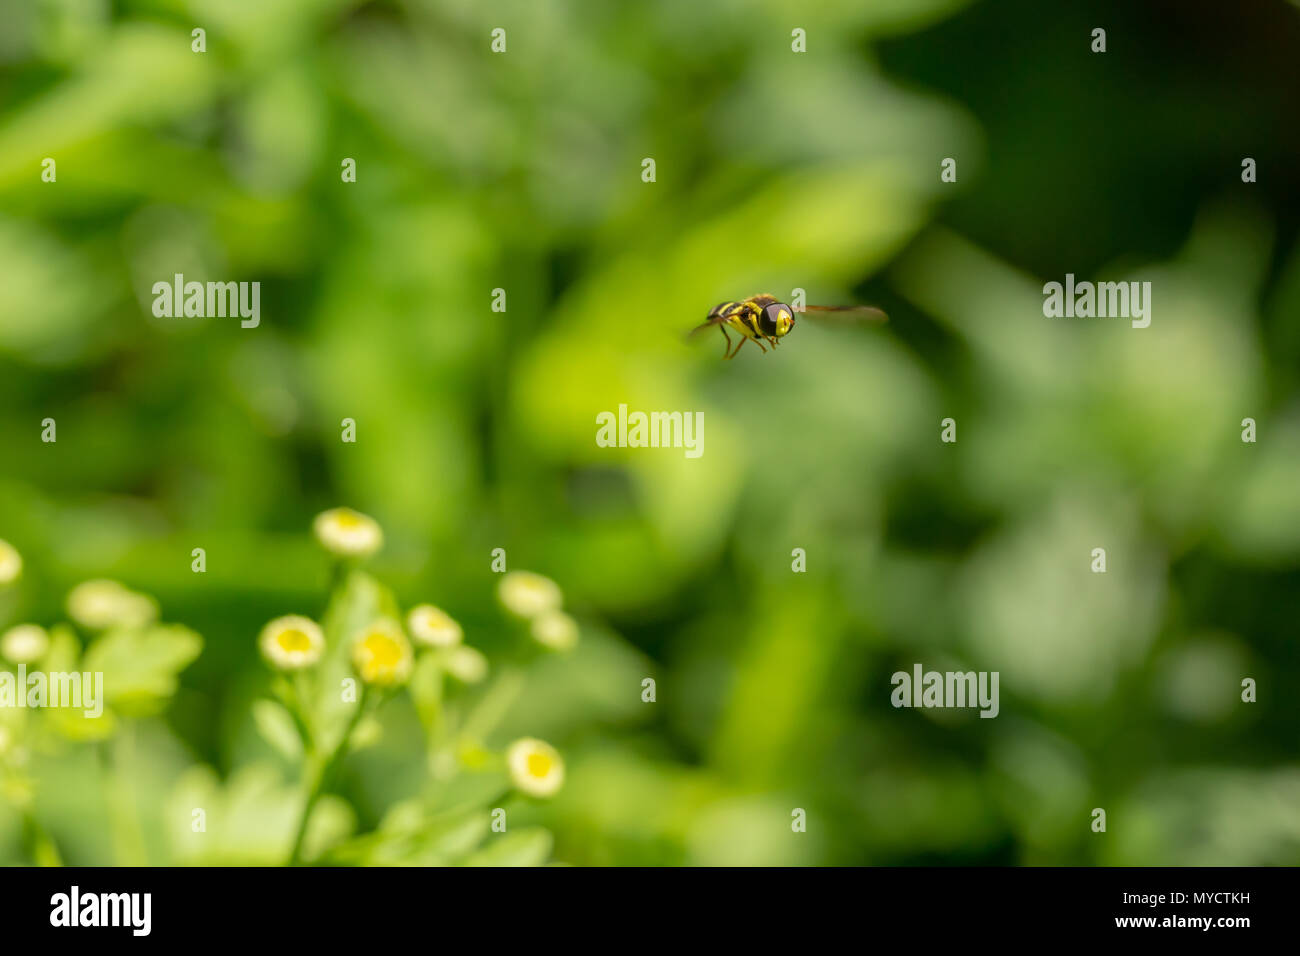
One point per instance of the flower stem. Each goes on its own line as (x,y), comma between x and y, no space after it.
(323,775)
(300,710)
(338,577)
(127,834)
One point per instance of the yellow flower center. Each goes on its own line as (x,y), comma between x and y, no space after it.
(385,653)
(348,520)
(294,640)
(539,764)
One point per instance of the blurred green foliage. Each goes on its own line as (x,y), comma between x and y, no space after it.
(521,171)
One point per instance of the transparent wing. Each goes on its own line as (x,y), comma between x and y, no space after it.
(844,313)
(715,320)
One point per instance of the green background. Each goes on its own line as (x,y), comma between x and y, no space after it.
(475,429)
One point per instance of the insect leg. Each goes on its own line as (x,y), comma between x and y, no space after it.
(743,340)
(727,351)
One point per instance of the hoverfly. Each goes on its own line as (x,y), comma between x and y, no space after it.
(764,319)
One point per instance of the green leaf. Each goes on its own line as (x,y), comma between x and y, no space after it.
(528,847)
(249,820)
(140,666)
(277,728)
(72,722)
(406,837)
(359,601)
(64,650)
(426,689)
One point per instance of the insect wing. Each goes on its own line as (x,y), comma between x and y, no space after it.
(712,321)
(845,313)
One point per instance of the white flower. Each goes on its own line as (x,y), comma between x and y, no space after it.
(102,604)
(526,595)
(24,644)
(535,767)
(348,533)
(555,630)
(466,664)
(382,655)
(11,563)
(292,642)
(432,627)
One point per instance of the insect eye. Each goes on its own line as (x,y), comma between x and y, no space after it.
(777,318)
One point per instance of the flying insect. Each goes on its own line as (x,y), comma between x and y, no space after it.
(762,318)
